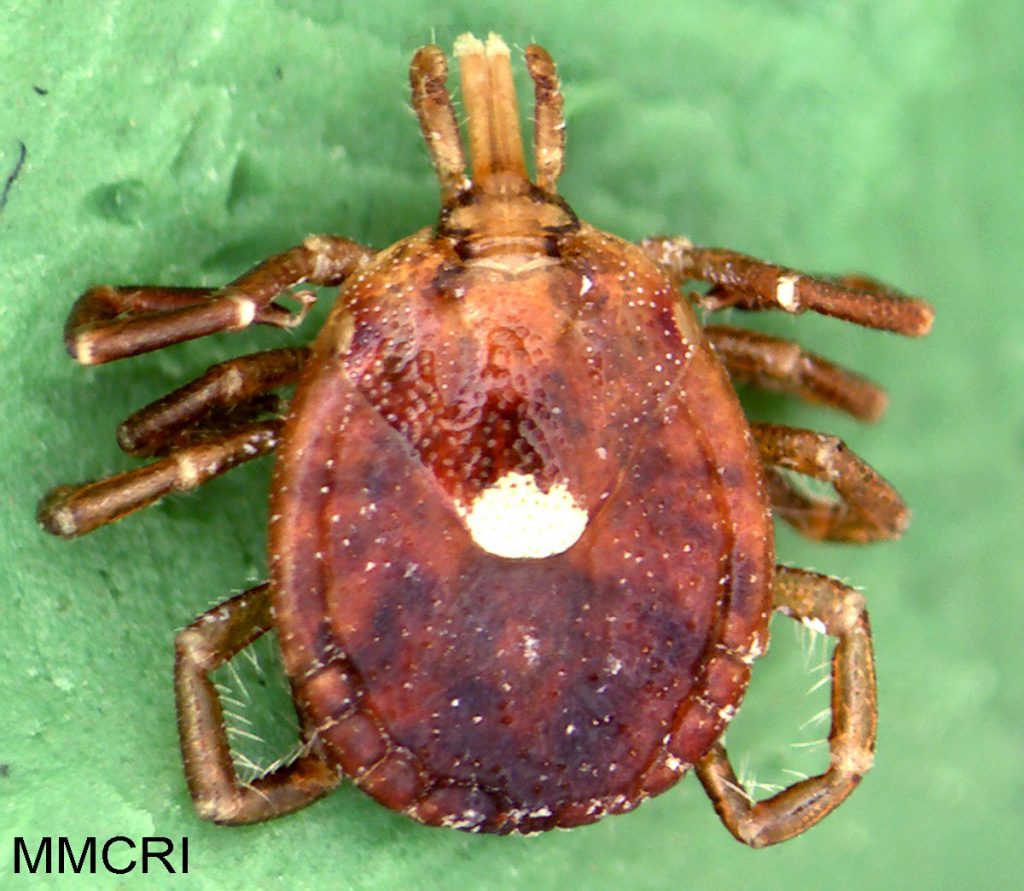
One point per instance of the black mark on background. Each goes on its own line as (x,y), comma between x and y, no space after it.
(42,91)
(13,175)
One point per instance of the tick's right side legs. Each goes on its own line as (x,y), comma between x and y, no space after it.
(773,363)
(867,509)
(744,282)
(205,645)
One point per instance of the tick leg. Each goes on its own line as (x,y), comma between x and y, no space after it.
(70,511)
(109,323)
(204,429)
(868,508)
(218,794)
(228,392)
(776,364)
(823,603)
(744,282)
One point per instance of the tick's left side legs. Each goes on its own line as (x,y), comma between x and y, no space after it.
(208,643)
(227,395)
(70,511)
(825,604)
(200,431)
(108,323)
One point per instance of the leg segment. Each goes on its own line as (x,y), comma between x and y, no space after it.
(113,323)
(228,391)
(819,601)
(747,283)
(776,364)
(218,794)
(70,511)
(869,508)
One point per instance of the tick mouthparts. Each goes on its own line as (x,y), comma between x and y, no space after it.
(489,95)
(492,111)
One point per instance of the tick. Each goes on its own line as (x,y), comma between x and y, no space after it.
(521,553)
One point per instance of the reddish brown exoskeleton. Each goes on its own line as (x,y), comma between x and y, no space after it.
(521,554)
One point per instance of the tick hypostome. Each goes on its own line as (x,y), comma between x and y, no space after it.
(521,556)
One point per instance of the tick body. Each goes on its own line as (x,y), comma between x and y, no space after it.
(521,556)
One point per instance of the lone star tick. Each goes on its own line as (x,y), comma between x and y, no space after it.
(521,553)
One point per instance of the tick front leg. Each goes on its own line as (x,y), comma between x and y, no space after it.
(738,280)
(205,645)
(108,323)
(869,508)
(825,604)
(776,364)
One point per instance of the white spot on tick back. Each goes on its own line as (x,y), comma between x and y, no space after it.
(515,518)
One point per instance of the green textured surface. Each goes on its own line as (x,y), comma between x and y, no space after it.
(179,142)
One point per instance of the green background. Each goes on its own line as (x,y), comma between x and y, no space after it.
(180,142)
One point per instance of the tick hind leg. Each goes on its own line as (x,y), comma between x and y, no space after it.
(823,603)
(201,430)
(744,282)
(205,645)
(867,509)
(108,323)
